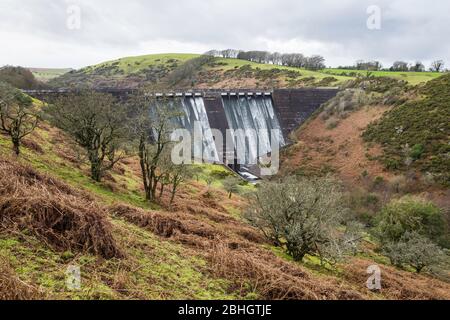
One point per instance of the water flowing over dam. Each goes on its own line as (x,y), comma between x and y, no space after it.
(248,116)
(251,121)
(193,117)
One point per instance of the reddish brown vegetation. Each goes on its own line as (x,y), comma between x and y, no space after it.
(233,255)
(234,251)
(341,149)
(397,284)
(32,145)
(64,218)
(12,288)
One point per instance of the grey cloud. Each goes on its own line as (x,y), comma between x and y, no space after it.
(411,29)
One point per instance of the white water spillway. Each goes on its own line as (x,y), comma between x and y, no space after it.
(252,127)
(193,117)
(254,124)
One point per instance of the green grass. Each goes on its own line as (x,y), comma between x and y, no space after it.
(160,269)
(46,269)
(133,65)
(153,269)
(411,77)
(49,162)
(230,64)
(155,67)
(46,74)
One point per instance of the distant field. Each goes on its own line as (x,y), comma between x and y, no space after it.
(237,63)
(411,77)
(340,74)
(46,74)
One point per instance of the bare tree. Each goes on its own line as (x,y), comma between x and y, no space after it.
(297,60)
(152,124)
(437,65)
(177,175)
(18,115)
(97,124)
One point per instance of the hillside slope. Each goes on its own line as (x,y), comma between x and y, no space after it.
(219,73)
(416,135)
(202,249)
(384,142)
(127,72)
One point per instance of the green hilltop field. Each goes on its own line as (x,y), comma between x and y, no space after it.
(130,72)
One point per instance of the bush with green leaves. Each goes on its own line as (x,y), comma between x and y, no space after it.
(305,216)
(410,214)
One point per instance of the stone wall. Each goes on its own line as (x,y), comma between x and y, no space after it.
(294,106)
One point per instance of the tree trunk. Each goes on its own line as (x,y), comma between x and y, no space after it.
(96,166)
(172,196)
(16,146)
(161,190)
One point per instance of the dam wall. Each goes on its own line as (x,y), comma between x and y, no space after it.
(295,106)
(235,112)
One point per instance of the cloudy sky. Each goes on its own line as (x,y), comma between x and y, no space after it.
(48,33)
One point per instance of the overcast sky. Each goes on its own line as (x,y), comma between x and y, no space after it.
(45,33)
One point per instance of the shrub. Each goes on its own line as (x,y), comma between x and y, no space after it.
(302,215)
(220,174)
(417,151)
(231,185)
(332,123)
(408,215)
(414,250)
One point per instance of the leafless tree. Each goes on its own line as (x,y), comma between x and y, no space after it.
(417,67)
(151,126)
(18,115)
(437,65)
(97,124)
(368,65)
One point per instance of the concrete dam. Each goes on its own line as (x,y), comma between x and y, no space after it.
(249,116)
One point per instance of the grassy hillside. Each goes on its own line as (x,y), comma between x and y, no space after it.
(128,72)
(411,77)
(138,64)
(131,72)
(416,135)
(384,141)
(53,216)
(46,74)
